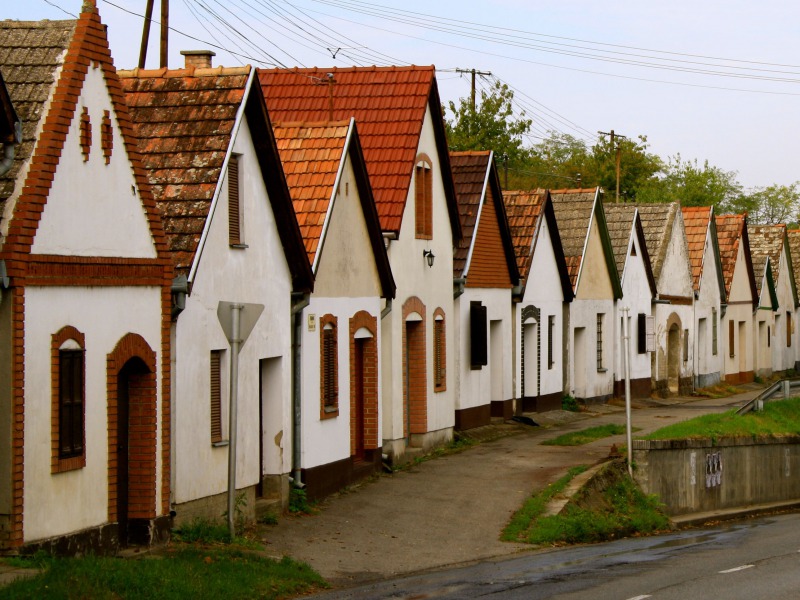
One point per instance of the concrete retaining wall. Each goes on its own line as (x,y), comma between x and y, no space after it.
(702,475)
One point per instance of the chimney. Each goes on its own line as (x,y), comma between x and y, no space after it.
(200,59)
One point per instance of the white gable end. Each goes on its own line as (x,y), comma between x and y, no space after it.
(676,276)
(94,208)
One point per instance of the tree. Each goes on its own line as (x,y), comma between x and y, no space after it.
(686,182)
(638,167)
(770,205)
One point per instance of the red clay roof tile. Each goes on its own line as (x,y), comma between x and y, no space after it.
(697,220)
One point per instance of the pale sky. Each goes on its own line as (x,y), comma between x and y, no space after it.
(533,48)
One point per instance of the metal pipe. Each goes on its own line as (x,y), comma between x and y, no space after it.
(626,351)
(300,301)
(236,310)
(386,309)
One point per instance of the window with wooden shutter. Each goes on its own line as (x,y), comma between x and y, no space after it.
(479,352)
(70,404)
(788,329)
(215,393)
(551,331)
(329,367)
(423,198)
(439,352)
(714,331)
(235,233)
(731,339)
(685,345)
(641,333)
(600,342)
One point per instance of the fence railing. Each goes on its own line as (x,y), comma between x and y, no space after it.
(785,388)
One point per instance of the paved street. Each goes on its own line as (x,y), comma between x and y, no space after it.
(450,510)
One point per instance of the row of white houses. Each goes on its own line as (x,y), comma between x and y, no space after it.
(386,292)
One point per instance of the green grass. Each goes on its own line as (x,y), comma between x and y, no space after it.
(578,438)
(617,510)
(182,572)
(778,418)
(536,505)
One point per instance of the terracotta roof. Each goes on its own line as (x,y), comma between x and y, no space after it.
(311,154)
(184,120)
(573,210)
(389,105)
(524,210)
(794,249)
(470,170)
(766,242)
(657,222)
(30,53)
(620,221)
(729,234)
(697,220)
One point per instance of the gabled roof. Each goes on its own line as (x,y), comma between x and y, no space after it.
(700,227)
(49,60)
(10,125)
(525,211)
(794,248)
(623,221)
(30,54)
(575,210)
(312,155)
(474,175)
(389,104)
(658,221)
(731,233)
(766,244)
(186,121)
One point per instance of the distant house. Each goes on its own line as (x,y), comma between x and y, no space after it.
(665,235)
(485,270)
(772,264)
(400,124)
(736,339)
(638,292)
(591,332)
(85,412)
(340,336)
(794,249)
(210,155)
(539,310)
(709,292)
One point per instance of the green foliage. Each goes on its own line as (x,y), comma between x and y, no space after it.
(298,502)
(685,181)
(569,403)
(770,205)
(638,167)
(184,572)
(269,519)
(780,417)
(578,438)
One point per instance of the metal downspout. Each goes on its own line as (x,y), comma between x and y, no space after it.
(299,302)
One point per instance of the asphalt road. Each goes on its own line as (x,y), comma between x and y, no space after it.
(748,560)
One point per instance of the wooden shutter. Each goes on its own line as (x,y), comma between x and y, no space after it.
(714,331)
(234,209)
(329,387)
(438,353)
(788,329)
(650,332)
(685,345)
(641,333)
(70,409)
(479,354)
(731,344)
(551,330)
(423,193)
(600,341)
(216,396)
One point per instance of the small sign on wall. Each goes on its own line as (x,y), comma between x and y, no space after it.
(312,322)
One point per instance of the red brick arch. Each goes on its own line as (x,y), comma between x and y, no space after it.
(142,424)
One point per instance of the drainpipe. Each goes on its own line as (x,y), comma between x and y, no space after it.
(299,302)
(179,289)
(458,286)
(4,281)
(386,309)
(10,149)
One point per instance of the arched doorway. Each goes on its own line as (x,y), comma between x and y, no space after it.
(673,358)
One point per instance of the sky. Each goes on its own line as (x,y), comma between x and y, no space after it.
(715,80)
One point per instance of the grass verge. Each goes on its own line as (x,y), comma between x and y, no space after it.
(578,438)
(611,508)
(183,571)
(778,418)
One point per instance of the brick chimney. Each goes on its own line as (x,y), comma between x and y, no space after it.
(200,59)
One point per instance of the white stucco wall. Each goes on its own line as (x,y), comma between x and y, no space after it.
(739,310)
(91,192)
(764,330)
(708,365)
(549,299)
(783,355)
(257,274)
(434,287)
(104,316)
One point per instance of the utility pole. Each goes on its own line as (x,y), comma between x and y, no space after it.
(164,33)
(473,72)
(618,149)
(148,18)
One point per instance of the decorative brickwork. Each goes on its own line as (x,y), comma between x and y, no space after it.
(328,367)
(58,464)
(415,380)
(107,136)
(423,197)
(86,134)
(439,351)
(363,385)
(134,355)
(15,533)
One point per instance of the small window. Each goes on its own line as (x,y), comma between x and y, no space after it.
(439,352)
(68,400)
(479,352)
(423,198)
(235,228)
(551,331)
(329,367)
(789,332)
(215,393)
(600,342)
(641,333)
(685,345)
(731,339)
(714,331)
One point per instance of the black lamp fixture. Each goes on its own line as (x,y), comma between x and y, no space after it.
(428,255)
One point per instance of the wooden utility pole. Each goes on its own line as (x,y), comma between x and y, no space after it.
(164,33)
(148,18)
(473,72)
(618,149)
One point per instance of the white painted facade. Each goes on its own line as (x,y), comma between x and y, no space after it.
(708,356)
(764,326)
(257,274)
(738,353)
(783,352)
(433,286)
(542,376)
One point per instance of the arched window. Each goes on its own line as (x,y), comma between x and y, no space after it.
(329,367)
(423,197)
(68,399)
(439,352)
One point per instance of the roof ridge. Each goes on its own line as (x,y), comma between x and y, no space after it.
(166,72)
(315,124)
